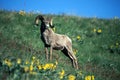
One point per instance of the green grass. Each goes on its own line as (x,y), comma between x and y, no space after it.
(98,48)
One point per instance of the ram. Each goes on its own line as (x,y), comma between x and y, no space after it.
(55,41)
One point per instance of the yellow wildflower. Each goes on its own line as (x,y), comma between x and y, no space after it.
(18,61)
(99,30)
(26,68)
(75,51)
(56,62)
(8,62)
(38,61)
(45,66)
(94,30)
(89,77)
(32,62)
(31,67)
(71,77)
(93,78)
(48,66)
(54,67)
(78,37)
(21,12)
(33,58)
(61,74)
(51,65)
(39,67)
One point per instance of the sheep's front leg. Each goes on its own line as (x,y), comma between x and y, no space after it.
(46,51)
(51,52)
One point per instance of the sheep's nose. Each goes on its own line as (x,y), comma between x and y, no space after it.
(47,25)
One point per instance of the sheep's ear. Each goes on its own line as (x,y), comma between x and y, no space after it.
(51,23)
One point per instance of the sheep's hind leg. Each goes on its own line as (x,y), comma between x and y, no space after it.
(74,60)
(69,53)
(72,56)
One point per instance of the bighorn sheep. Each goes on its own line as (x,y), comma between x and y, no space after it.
(54,40)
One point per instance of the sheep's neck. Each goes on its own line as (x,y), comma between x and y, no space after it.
(49,30)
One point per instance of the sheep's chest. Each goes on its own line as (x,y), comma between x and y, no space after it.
(48,37)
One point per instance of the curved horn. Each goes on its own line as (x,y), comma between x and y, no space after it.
(51,23)
(39,17)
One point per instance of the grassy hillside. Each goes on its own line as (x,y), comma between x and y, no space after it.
(96,44)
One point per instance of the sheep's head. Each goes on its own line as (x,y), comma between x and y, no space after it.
(46,21)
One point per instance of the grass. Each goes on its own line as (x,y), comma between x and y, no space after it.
(96,43)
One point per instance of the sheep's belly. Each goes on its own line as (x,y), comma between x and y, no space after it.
(58,48)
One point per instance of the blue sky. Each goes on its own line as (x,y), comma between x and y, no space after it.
(84,8)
